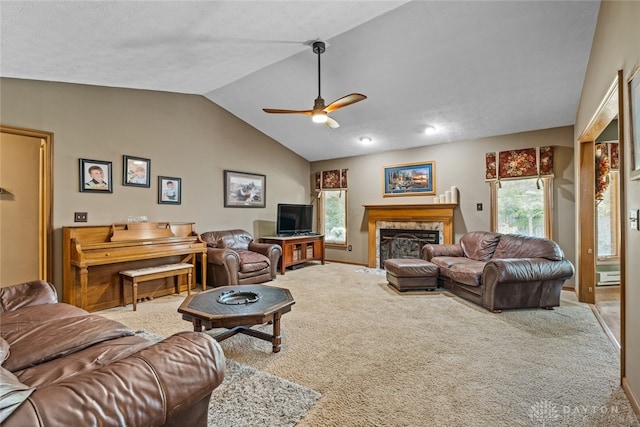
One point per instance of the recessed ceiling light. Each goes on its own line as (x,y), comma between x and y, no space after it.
(429,130)
(366,140)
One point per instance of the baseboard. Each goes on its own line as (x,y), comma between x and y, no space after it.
(347,262)
(632,399)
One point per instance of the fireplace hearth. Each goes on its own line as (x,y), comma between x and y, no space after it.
(398,243)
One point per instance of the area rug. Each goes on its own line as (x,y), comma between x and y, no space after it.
(248,397)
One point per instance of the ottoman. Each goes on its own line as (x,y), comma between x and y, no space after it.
(411,273)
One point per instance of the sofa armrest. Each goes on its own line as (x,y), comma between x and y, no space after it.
(525,270)
(223,256)
(431,250)
(161,384)
(270,250)
(35,292)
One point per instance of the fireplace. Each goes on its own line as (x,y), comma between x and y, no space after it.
(398,243)
(437,217)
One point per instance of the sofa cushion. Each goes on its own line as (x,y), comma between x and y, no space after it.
(252,261)
(78,363)
(479,245)
(4,350)
(519,246)
(34,340)
(468,273)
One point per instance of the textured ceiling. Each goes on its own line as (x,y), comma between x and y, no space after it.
(472,69)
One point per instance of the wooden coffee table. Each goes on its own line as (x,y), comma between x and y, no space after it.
(237,308)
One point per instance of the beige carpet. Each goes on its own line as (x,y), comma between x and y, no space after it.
(384,358)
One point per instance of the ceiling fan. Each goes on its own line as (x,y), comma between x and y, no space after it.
(319,113)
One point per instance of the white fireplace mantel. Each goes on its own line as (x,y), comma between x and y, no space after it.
(437,212)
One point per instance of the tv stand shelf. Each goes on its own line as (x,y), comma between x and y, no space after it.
(298,249)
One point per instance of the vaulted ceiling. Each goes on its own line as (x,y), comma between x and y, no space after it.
(471,69)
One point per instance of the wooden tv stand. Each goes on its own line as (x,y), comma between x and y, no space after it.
(298,249)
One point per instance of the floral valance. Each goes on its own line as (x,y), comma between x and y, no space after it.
(607,159)
(527,162)
(331,180)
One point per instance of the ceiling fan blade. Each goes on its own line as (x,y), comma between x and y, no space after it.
(278,111)
(331,123)
(344,101)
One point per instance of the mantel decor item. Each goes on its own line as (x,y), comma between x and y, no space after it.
(95,176)
(136,171)
(169,190)
(244,190)
(410,179)
(634,125)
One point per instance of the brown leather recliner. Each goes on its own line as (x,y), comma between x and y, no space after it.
(234,258)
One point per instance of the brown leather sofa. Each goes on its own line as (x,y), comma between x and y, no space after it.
(502,271)
(234,258)
(63,366)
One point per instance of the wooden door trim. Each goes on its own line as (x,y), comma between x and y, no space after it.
(45,198)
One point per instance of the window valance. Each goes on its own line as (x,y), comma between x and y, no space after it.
(527,162)
(331,180)
(607,159)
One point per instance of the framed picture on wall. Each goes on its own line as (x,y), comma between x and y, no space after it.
(244,190)
(169,190)
(136,171)
(409,179)
(95,176)
(634,125)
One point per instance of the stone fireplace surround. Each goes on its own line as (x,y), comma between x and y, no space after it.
(436,216)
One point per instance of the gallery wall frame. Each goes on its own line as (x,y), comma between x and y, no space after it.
(244,189)
(136,171)
(96,176)
(634,122)
(409,179)
(169,190)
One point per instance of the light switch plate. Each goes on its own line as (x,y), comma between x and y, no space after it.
(634,216)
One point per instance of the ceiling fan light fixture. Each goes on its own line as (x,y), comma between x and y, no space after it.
(366,140)
(320,117)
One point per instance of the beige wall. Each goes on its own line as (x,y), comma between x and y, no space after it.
(461,164)
(616,47)
(185,136)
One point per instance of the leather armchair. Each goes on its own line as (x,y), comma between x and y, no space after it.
(234,258)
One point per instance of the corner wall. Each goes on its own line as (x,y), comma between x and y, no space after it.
(616,47)
(185,136)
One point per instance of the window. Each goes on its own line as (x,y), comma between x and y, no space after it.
(522,206)
(333,216)
(608,221)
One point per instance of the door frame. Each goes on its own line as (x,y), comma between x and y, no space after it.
(612,106)
(45,197)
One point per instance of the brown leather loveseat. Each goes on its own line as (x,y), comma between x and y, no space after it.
(502,271)
(234,258)
(63,366)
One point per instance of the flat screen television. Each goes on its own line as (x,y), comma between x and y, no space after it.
(294,219)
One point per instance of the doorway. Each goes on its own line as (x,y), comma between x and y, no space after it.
(25,205)
(605,122)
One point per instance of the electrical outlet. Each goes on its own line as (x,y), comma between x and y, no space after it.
(80,217)
(349,248)
(478,206)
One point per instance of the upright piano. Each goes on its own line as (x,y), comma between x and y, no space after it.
(93,256)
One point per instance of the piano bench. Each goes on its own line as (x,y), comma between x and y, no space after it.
(157,272)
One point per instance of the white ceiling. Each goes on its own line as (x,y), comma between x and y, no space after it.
(472,69)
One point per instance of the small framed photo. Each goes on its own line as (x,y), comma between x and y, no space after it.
(244,190)
(136,171)
(410,179)
(95,176)
(169,190)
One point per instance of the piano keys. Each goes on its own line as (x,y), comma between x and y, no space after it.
(93,256)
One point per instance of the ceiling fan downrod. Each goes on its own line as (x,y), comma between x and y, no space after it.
(319,48)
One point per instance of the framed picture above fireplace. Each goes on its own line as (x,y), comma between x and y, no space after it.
(409,179)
